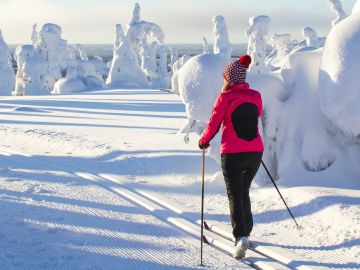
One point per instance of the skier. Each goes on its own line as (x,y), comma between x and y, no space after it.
(238,109)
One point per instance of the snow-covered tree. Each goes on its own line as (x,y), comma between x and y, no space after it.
(337,9)
(34,35)
(339,76)
(133,58)
(32,69)
(119,36)
(125,68)
(256,34)
(82,52)
(282,46)
(311,37)
(174,56)
(7,76)
(41,66)
(221,38)
(163,72)
(200,81)
(206,48)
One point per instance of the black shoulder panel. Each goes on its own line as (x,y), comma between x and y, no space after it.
(245,121)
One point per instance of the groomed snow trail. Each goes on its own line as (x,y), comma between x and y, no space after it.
(132,134)
(52,219)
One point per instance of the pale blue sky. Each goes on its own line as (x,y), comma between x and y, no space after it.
(183,21)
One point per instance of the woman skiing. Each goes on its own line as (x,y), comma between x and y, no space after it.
(237,109)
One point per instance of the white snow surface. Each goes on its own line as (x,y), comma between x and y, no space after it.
(339,80)
(356,7)
(53,219)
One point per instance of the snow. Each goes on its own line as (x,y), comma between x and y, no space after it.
(199,79)
(356,7)
(337,9)
(339,80)
(316,135)
(221,38)
(7,76)
(41,66)
(53,219)
(134,59)
(32,67)
(256,34)
(311,37)
(67,86)
(282,46)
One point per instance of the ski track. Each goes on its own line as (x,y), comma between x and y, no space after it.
(78,225)
(123,143)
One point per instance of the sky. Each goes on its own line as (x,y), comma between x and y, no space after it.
(183,21)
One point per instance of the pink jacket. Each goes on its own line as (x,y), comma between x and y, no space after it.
(238,110)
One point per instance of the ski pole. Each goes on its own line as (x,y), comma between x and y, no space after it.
(272,180)
(202,206)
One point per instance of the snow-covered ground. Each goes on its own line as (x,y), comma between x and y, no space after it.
(53,219)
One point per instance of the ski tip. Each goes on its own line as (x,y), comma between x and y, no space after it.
(206,226)
(205,240)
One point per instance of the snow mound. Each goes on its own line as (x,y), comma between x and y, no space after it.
(339,76)
(68,86)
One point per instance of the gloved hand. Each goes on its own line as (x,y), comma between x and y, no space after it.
(203,146)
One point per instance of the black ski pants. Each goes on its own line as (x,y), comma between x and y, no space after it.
(239,170)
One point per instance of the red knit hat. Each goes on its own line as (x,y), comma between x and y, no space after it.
(245,60)
(235,72)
